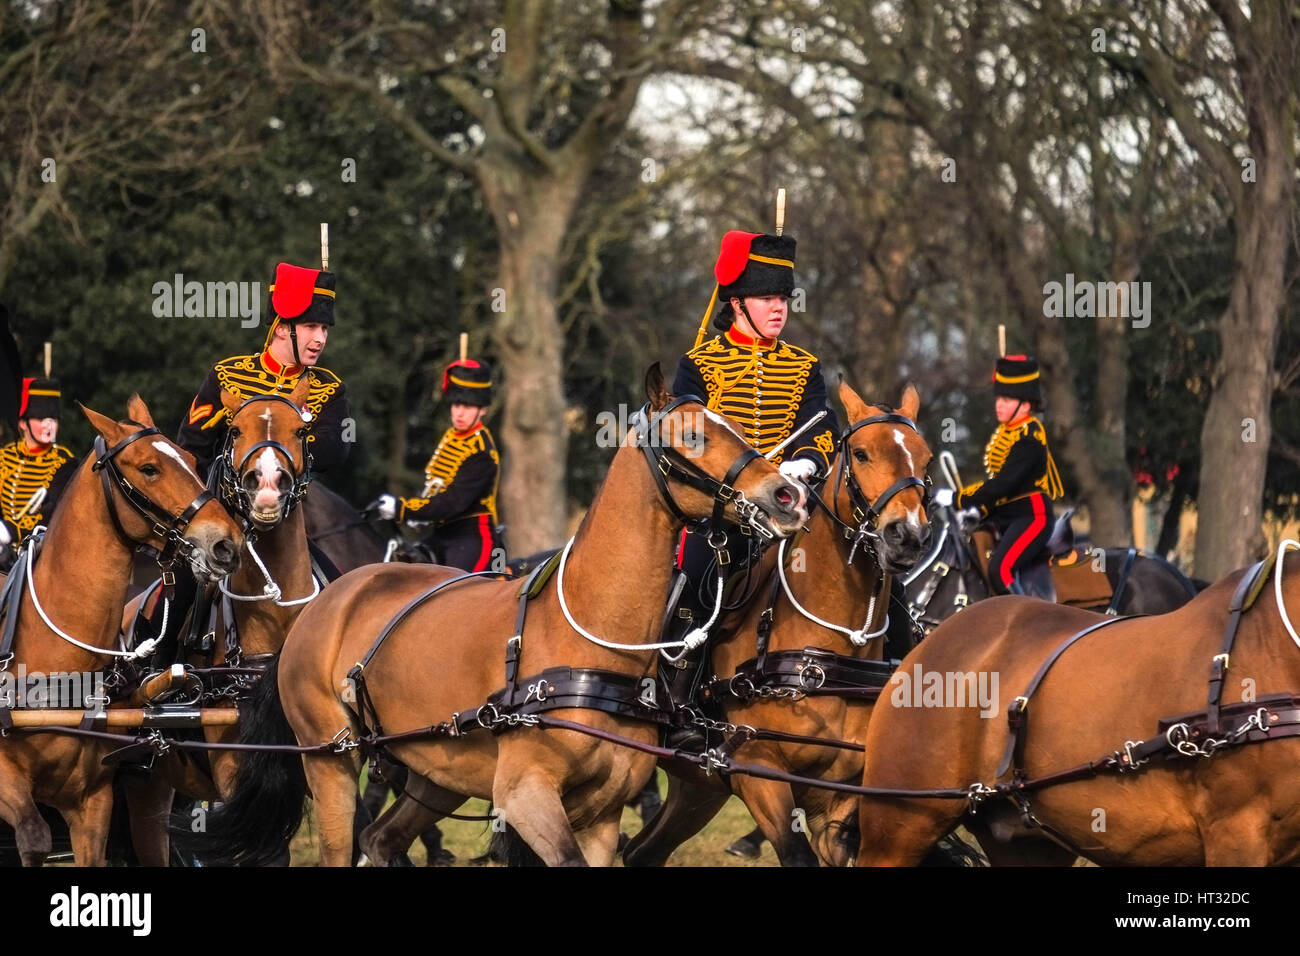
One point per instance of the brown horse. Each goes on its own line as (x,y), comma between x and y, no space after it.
(561,790)
(137,485)
(881,452)
(1101,702)
(265,470)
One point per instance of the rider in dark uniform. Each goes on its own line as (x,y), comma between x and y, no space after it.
(34,470)
(459,499)
(1020,477)
(300,314)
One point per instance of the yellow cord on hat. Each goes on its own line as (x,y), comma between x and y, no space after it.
(704,322)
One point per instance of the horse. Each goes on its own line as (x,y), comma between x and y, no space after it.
(344,534)
(1099,731)
(136,489)
(438,648)
(263,473)
(953,575)
(878,473)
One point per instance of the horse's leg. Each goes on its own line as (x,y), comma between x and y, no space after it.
(88,824)
(19,811)
(1238,839)
(530,803)
(1018,851)
(149,802)
(835,830)
(421,805)
(599,842)
(333,785)
(772,805)
(686,810)
(901,831)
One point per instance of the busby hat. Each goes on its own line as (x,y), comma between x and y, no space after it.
(467,382)
(1016,376)
(41,398)
(749,264)
(301,295)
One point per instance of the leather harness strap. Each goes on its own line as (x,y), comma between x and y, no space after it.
(1121,585)
(1242,599)
(1018,712)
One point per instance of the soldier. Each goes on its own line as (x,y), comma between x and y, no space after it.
(1021,479)
(34,469)
(300,314)
(766,385)
(459,501)
(460,491)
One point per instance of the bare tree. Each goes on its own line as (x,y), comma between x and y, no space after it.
(537,91)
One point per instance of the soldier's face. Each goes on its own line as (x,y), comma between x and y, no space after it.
(41,431)
(311,342)
(1007,408)
(465,417)
(768,313)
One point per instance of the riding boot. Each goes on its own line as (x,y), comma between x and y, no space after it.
(682,680)
(149,624)
(903,633)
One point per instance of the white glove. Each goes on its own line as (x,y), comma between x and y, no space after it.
(800,468)
(943,497)
(386,507)
(969,517)
(5,536)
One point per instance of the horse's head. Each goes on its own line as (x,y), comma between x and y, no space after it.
(707,469)
(880,477)
(265,459)
(156,497)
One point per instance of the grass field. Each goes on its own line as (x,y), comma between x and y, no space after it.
(469,839)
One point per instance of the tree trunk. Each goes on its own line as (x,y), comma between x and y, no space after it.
(1237,429)
(532,212)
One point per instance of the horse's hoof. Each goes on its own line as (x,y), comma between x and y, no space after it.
(363,860)
(745,848)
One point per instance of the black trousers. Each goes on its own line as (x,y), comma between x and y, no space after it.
(468,543)
(1023,527)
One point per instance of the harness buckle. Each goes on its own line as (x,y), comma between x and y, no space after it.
(941,568)
(343,741)
(818,676)
(1223,658)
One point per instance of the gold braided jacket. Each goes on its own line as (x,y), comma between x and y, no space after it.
(22,474)
(471,458)
(769,388)
(1000,447)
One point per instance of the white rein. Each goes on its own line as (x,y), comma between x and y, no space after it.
(857,638)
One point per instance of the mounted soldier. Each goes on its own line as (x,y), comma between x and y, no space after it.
(769,387)
(300,314)
(34,469)
(459,499)
(1020,480)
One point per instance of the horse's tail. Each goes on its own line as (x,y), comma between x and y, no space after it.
(254,827)
(508,847)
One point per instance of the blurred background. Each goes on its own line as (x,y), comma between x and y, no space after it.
(554,178)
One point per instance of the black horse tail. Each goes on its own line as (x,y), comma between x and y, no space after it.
(254,827)
(508,847)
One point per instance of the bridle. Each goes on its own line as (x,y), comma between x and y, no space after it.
(171,528)
(226,473)
(862,532)
(666,462)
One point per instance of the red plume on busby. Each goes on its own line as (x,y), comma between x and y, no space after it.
(749,264)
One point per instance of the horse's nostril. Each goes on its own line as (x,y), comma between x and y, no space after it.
(225,552)
(784,497)
(250,482)
(284,483)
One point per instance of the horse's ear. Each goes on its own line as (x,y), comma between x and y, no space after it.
(138,411)
(911,403)
(656,389)
(111,430)
(300,392)
(231,401)
(854,407)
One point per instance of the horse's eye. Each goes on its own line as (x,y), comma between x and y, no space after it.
(150,471)
(860,456)
(234,433)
